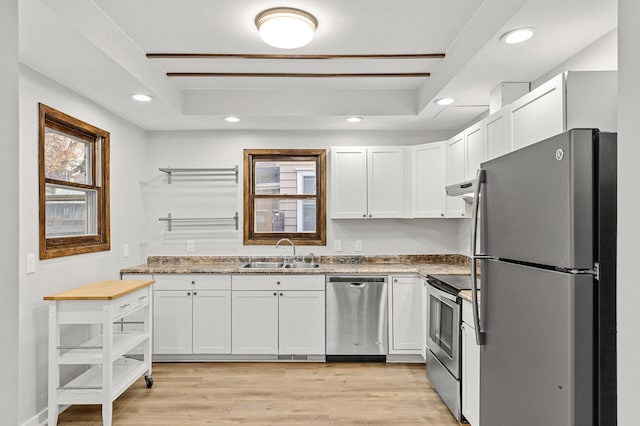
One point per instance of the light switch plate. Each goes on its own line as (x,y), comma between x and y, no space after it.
(337,245)
(358,245)
(31,263)
(191,246)
(125,250)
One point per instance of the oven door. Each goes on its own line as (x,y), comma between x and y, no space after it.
(443,329)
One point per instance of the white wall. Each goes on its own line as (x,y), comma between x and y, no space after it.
(128,155)
(224,149)
(9,212)
(601,55)
(628,207)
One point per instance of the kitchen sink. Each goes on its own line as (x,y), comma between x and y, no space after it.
(262,265)
(301,265)
(279,265)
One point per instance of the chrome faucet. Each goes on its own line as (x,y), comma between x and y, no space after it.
(293,246)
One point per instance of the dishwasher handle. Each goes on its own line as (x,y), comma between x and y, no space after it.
(357,285)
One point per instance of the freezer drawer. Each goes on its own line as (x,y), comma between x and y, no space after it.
(536,366)
(538,202)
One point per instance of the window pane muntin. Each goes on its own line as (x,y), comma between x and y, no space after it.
(70,212)
(67,157)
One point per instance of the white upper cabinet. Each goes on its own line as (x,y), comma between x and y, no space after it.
(456,173)
(569,100)
(496,134)
(348,182)
(367,182)
(475,150)
(428,180)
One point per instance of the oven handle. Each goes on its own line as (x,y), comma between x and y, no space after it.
(480,180)
(441,294)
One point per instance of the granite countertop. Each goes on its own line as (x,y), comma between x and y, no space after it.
(360,265)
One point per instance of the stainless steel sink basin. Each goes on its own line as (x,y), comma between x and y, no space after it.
(262,265)
(300,265)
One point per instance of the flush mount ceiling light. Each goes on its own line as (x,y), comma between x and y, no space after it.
(353,119)
(517,36)
(286,27)
(141,97)
(444,101)
(232,119)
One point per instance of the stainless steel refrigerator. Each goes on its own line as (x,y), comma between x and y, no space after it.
(545,216)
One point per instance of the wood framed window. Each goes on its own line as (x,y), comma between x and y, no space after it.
(74,185)
(285,196)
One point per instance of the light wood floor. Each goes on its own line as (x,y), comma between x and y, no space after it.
(275,394)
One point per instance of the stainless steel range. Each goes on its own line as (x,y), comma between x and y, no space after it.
(444,345)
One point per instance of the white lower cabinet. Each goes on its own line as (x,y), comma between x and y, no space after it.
(192,314)
(278,315)
(406,327)
(470,368)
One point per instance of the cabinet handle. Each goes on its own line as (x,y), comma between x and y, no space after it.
(280,294)
(195,294)
(275,294)
(189,293)
(124,306)
(278,282)
(462,214)
(369,215)
(142,298)
(395,280)
(441,214)
(364,215)
(193,282)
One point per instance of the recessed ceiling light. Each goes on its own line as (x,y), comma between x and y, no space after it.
(141,97)
(231,119)
(353,119)
(286,27)
(517,36)
(444,101)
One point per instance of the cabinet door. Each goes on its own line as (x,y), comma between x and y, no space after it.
(211,322)
(254,324)
(539,114)
(385,182)
(428,180)
(497,141)
(454,206)
(406,315)
(470,376)
(301,325)
(474,142)
(348,182)
(172,313)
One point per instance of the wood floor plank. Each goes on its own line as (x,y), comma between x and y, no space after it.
(323,394)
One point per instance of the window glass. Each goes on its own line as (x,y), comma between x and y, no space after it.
(67,158)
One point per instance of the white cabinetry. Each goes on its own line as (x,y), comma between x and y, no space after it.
(428,197)
(474,150)
(278,314)
(496,134)
(406,327)
(110,371)
(367,182)
(456,159)
(192,314)
(569,100)
(470,367)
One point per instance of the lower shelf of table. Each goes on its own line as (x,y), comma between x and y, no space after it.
(88,385)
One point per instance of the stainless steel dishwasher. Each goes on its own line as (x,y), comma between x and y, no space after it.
(356,318)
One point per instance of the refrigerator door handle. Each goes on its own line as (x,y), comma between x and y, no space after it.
(480,180)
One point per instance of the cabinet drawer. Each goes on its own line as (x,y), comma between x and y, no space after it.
(467,313)
(278,282)
(192,282)
(130,302)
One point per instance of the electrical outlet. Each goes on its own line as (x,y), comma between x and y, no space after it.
(358,245)
(191,246)
(337,245)
(125,250)
(31,263)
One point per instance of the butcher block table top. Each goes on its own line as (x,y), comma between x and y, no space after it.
(101,290)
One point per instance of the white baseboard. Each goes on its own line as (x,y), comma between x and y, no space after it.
(41,419)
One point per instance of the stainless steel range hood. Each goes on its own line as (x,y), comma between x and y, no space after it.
(463,189)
